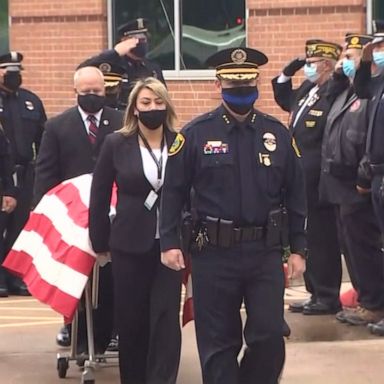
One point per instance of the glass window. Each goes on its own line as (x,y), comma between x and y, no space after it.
(378,10)
(4,39)
(206,26)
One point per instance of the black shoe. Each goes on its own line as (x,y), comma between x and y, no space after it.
(19,290)
(320,308)
(3,291)
(298,306)
(377,328)
(63,338)
(113,345)
(286,329)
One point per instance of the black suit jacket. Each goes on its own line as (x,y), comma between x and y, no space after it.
(133,229)
(65,149)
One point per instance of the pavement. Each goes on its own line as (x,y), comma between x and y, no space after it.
(320,350)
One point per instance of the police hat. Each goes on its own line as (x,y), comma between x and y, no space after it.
(323,49)
(112,72)
(357,41)
(378,31)
(11,60)
(133,27)
(237,63)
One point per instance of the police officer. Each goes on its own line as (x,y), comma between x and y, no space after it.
(242,167)
(308,106)
(22,116)
(342,169)
(369,83)
(130,54)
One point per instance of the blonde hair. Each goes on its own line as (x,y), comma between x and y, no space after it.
(158,88)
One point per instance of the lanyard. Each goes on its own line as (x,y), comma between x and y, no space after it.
(158,162)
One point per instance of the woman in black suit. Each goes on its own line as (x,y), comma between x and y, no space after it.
(146,293)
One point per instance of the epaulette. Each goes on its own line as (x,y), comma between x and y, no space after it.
(199,119)
(269,117)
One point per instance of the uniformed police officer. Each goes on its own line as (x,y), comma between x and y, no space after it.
(369,83)
(242,166)
(130,54)
(343,167)
(22,116)
(8,193)
(308,106)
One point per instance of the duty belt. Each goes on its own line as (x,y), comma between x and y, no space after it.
(377,169)
(224,233)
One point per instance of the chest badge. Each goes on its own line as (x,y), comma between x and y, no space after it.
(215,147)
(29,105)
(265,159)
(269,140)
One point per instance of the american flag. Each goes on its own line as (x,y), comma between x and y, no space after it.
(53,254)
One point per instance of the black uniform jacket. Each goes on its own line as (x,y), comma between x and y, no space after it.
(134,226)
(7,185)
(66,150)
(238,172)
(22,116)
(309,128)
(343,149)
(372,88)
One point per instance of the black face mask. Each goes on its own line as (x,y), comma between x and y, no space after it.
(154,118)
(140,50)
(12,80)
(240,99)
(90,102)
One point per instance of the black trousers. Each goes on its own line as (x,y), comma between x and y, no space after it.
(323,273)
(147,305)
(222,280)
(362,238)
(12,224)
(378,200)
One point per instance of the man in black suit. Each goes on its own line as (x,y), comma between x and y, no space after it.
(69,148)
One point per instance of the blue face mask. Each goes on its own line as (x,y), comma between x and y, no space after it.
(240,99)
(310,72)
(349,68)
(378,59)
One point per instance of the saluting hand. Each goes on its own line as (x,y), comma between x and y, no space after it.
(126,46)
(173,258)
(296,266)
(294,66)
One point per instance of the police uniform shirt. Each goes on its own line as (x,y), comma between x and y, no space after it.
(238,172)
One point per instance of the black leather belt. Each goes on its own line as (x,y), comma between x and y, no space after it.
(377,169)
(242,234)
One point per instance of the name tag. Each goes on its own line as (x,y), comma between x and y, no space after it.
(150,200)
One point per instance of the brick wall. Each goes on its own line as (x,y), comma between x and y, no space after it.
(55,36)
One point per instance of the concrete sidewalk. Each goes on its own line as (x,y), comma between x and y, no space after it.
(320,350)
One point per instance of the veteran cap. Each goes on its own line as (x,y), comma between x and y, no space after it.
(237,63)
(113,73)
(11,60)
(378,31)
(133,27)
(357,41)
(321,48)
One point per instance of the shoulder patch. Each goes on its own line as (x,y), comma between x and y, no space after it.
(177,144)
(296,148)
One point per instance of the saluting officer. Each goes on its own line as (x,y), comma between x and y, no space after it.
(309,106)
(22,116)
(242,166)
(343,167)
(130,54)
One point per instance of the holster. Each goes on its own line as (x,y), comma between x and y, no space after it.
(277,228)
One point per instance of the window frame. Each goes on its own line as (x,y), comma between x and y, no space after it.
(178,73)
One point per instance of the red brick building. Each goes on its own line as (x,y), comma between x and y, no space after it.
(55,36)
